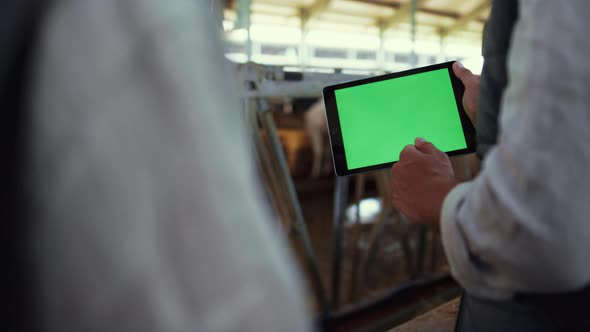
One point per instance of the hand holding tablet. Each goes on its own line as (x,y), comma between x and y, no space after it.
(372,120)
(420,181)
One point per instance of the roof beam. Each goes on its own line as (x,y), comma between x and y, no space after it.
(437,12)
(314,9)
(465,19)
(402,13)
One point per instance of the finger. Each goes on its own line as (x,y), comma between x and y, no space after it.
(409,151)
(464,74)
(424,146)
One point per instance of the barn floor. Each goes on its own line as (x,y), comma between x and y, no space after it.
(389,268)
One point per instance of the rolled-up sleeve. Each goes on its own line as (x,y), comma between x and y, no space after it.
(522,224)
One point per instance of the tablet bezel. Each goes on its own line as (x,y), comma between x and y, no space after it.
(335,133)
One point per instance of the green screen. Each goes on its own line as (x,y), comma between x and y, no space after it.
(379,119)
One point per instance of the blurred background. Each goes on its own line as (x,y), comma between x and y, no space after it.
(366,266)
(358,36)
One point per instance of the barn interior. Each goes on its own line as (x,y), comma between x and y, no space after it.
(366,267)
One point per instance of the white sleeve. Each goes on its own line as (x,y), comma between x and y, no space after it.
(522,224)
(148,212)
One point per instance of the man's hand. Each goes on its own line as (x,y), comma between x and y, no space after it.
(421,180)
(471,95)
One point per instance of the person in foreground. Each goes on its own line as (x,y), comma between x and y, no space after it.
(517,236)
(146,210)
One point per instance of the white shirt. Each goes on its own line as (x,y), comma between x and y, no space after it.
(148,210)
(523,225)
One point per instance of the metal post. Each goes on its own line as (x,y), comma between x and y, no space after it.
(244,11)
(443,48)
(270,176)
(381,55)
(249,41)
(340,202)
(271,130)
(361,179)
(413,31)
(303,50)
(421,254)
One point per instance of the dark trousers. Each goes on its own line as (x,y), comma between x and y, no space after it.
(526,312)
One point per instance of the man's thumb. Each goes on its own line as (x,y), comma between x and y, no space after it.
(461,72)
(424,146)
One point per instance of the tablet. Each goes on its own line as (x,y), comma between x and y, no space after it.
(371,120)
